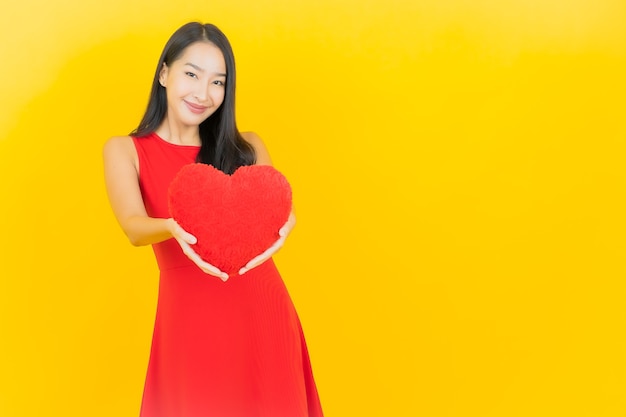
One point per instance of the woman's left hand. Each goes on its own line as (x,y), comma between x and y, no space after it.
(283,233)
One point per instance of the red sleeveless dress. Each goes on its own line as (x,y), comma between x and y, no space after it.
(223,349)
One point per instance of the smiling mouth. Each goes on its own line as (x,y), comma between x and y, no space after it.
(195,108)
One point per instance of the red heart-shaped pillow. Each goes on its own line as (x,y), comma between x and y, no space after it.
(234,217)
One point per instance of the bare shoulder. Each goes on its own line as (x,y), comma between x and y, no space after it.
(120,149)
(253,139)
(262,154)
(118,144)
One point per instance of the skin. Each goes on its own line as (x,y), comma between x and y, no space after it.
(195,89)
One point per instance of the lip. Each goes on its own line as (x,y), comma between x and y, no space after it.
(194,108)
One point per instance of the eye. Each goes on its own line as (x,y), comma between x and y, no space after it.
(218,82)
(191,74)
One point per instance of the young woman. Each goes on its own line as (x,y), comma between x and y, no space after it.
(222,346)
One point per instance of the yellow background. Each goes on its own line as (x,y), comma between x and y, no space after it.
(458,169)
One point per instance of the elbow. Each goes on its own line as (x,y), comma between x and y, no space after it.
(135,241)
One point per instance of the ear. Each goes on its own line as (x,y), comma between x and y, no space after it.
(163,74)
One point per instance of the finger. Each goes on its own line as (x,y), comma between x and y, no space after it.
(215,272)
(186,236)
(201,263)
(212,270)
(259,259)
(181,234)
(189,238)
(256,261)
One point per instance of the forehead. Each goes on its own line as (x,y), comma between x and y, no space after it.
(204,55)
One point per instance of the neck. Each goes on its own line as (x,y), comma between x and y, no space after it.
(179,134)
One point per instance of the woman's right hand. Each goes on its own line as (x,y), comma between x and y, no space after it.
(185,240)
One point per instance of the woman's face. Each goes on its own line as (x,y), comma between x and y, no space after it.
(194,83)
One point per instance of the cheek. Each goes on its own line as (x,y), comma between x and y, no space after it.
(219,95)
(174,90)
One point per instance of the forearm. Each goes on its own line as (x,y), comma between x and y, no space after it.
(143,230)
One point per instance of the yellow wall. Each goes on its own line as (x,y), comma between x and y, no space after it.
(458,174)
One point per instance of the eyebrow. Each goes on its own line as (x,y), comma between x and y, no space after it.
(197,68)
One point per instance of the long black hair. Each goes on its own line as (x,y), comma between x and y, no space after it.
(222,144)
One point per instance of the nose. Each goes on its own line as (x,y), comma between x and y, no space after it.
(202,93)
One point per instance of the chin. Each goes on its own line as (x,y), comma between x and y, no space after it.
(201,118)
(193,121)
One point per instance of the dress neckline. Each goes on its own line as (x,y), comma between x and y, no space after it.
(174,144)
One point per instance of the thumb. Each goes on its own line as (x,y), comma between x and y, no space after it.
(179,233)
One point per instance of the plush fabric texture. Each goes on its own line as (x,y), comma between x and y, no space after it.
(234,217)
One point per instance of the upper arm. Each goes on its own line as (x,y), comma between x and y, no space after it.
(262,154)
(122,179)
